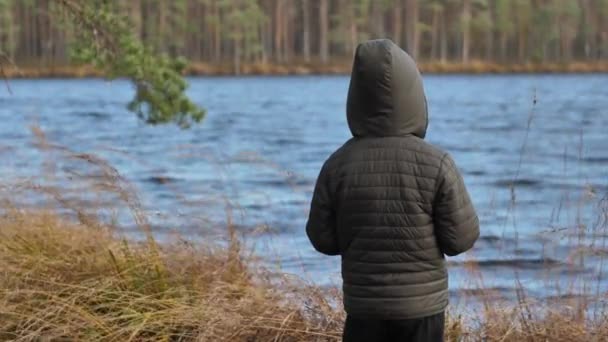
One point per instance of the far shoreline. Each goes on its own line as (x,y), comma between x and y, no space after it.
(308,69)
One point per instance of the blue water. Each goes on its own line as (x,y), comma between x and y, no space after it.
(254,159)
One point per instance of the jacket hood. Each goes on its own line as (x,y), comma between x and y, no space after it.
(386,94)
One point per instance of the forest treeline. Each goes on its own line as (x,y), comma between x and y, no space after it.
(321,32)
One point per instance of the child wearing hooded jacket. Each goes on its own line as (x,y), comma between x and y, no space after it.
(391,205)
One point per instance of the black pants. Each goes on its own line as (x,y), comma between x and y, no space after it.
(426,329)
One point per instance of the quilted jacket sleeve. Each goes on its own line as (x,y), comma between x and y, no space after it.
(321,225)
(456,223)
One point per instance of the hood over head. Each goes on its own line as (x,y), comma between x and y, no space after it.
(386,95)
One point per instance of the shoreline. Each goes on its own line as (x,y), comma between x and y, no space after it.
(309,69)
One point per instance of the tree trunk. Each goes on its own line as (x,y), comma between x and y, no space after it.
(503,46)
(604,44)
(557,44)
(144,24)
(11,36)
(287,34)
(199,51)
(522,45)
(161,28)
(466,30)
(443,33)
(306,30)
(352,29)
(217,32)
(7,33)
(324,31)
(411,22)
(434,33)
(590,29)
(265,34)
(377,21)
(278,30)
(490,45)
(397,26)
(237,56)
(565,44)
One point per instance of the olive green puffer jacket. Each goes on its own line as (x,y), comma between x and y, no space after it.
(389,203)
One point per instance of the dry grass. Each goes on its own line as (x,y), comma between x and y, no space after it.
(67,281)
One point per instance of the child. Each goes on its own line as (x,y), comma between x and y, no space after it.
(391,205)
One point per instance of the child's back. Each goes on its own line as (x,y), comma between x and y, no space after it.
(389,203)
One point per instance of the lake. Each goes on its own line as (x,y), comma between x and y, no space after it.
(254,160)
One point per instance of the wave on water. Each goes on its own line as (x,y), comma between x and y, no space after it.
(522,182)
(515,263)
(160,180)
(100,116)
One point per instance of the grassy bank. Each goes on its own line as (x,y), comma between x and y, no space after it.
(68,281)
(65,280)
(343,68)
